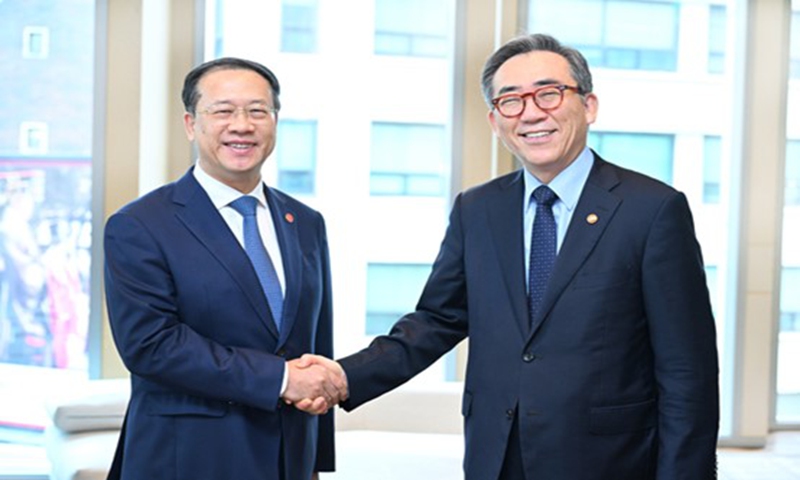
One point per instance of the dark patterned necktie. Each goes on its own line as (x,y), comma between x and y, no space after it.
(543,247)
(254,246)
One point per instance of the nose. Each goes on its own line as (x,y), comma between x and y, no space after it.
(240,120)
(530,110)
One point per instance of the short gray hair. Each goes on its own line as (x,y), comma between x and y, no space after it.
(578,66)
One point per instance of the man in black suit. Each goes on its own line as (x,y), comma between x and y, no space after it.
(581,287)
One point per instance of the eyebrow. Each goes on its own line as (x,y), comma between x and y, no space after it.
(538,83)
(231,103)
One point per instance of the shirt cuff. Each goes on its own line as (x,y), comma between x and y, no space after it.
(285,381)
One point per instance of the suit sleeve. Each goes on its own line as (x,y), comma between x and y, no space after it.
(419,338)
(324,346)
(683,337)
(143,308)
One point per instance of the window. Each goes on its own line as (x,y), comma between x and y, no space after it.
(622,34)
(296,153)
(711,169)
(412,27)
(650,154)
(299,26)
(35,42)
(643,124)
(45,207)
(717,26)
(408,159)
(787,407)
(33,138)
(788,381)
(376,166)
(392,291)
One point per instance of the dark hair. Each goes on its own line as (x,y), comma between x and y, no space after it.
(190,95)
(578,66)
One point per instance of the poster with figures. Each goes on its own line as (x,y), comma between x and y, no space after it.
(45,239)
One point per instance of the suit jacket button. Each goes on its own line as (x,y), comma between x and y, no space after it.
(528,357)
(281,353)
(510,413)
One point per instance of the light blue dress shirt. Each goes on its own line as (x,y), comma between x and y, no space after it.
(568,185)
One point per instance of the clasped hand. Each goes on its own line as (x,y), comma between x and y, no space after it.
(315,384)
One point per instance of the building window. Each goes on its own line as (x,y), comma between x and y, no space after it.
(401,30)
(35,42)
(712,169)
(296,153)
(650,154)
(622,34)
(788,380)
(392,291)
(792,185)
(408,159)
(299,26)
(33,138)
(717,27)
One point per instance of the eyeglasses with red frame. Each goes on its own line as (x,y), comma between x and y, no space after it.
(548,97)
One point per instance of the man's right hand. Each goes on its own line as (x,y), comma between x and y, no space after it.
(315,384)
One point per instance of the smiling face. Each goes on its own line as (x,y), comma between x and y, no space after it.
(546,142)
(232,150)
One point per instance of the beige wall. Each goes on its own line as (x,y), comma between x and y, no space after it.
(144,141)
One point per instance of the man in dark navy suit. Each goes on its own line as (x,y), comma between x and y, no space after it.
(205,330)
(580,284)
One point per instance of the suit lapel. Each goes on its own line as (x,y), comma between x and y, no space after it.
(505,224)
(593,213)
(201,217)
(286,229)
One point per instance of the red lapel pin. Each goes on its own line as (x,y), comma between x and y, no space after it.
(289,217)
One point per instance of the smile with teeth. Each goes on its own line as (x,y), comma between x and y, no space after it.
(240,146)
(537,134)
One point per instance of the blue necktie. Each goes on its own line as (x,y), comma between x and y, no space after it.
(543,247)
(254,246)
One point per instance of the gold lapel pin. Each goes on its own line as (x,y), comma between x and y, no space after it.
(591,219)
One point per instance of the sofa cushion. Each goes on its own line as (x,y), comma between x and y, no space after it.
(95,405)
(80,456)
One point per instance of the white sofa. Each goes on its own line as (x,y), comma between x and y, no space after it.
(84,427)
(379,440)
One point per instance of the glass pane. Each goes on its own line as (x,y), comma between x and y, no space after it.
(646,153)
(712,169)
(415,152)
(621,34)
(45,205)
(401,28)
(392,290)
(391,139)
(296,153)
(717,31)
(643,121)
(299,26)
(787,409)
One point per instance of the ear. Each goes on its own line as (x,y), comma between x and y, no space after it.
(591,104)
(492,120)
(188,125)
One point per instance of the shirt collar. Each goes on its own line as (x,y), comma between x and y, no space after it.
(568,184)
(222,195)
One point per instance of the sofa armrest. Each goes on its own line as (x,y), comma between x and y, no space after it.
(94,405)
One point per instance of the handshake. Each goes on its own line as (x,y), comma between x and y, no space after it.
(315,384)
